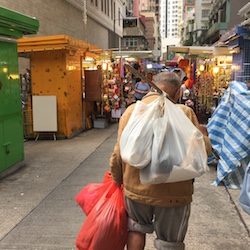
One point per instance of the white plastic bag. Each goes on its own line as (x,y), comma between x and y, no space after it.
(178,149)
(137,137)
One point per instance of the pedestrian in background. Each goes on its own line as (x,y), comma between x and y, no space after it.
(141,89)
(163,208)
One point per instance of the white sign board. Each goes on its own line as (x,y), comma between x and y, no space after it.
(44,113)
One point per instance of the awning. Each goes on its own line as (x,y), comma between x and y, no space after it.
(136,54)
(14,24)
(152,65)
(192,50)
(57,42)
(175,60)
(199,50)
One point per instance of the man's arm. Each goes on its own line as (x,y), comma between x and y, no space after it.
(115,162)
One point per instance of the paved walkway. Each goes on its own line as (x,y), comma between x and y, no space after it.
(38,210)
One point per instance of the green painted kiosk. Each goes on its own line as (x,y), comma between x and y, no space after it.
(13,25)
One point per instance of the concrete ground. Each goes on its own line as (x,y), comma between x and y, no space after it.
(38,208)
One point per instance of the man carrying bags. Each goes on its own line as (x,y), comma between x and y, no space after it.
(164,207)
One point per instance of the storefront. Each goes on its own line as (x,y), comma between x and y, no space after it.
(237,40)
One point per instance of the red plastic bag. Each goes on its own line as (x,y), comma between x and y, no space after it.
(105,228)
(91,193)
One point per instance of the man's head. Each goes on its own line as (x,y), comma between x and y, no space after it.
(170,83)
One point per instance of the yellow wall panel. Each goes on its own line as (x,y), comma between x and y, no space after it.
(58,73)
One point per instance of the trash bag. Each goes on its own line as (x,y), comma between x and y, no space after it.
(106,224)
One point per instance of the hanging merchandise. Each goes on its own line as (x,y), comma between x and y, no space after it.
(203,96)
(128,89)
(113,73)
(113,91)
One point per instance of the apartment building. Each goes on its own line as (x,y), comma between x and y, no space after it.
(201,20)
(98,22)
(134,34)
(187,26)
(222,17)
(171,21)
(150,10)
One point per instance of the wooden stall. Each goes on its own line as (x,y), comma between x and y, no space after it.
(56,70)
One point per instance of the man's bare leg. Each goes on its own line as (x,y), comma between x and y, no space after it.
(136,241)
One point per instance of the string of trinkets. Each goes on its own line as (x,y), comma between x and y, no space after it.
(203,91)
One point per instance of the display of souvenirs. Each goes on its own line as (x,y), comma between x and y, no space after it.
(112,94)
(128,89)
(203,92)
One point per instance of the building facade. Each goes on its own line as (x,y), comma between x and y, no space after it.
(188,22)
(134,34)
(76,18)
(222,17)
(171,16)
(201,20)
(150,9)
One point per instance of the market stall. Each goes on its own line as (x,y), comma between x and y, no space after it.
(208,72)
(103,84)
(56,71)
(141,61)
(12,26)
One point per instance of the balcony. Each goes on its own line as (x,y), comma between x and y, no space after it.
(217,27)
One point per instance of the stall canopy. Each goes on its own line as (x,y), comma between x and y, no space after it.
(133,54)
(200,50)
(153,65)
(57,42)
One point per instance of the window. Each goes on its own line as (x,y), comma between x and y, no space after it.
(112,9)
(102,5)
(131,42)
(205,13)
(119,17)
